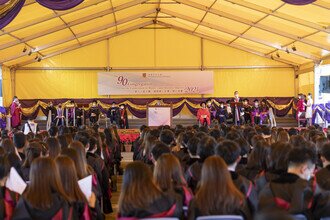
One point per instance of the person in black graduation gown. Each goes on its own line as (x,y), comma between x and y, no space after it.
(94,113)
(221,114)
(46,199)
(123,117)
(113,114)
(51,114)
(82,207)
(79,116)
(230,152)
(237,110)
(141,198)
(217,194)
(291,191)
(246,109)
(205,148)
(322,179)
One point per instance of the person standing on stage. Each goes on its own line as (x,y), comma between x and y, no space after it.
(309,109)
(60,119)
(236,109)
(113,114)
(51,115)
(94,113)
(16,113)
(203,115)
(300,107)
(123,117)
(79,114)
(3,118)
(264,111)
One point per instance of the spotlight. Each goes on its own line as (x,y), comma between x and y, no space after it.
(25,49)
(30,52)
(277,54)
(36,57)
(287,50)
(294,48)
(39,59)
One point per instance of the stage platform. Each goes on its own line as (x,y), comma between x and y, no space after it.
(287,121)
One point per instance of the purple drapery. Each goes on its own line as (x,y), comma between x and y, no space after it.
(299,2)
(323,110)
(11,14)
(3,2)
(59,4)
(191,103)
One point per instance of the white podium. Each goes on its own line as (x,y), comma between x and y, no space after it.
(159,115)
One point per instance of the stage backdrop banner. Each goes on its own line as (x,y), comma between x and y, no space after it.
(146,83)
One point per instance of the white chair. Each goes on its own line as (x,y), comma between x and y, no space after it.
(299,217)
(221,217)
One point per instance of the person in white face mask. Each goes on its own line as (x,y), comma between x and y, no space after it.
(291,192)
(309,109)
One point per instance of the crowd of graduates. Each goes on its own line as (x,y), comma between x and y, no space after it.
(51,163)
(254,172)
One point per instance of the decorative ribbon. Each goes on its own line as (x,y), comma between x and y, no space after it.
(138,106)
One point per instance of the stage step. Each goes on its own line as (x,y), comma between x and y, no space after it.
(288,121)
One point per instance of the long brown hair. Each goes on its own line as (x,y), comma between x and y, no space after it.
(33,151)
(217,194)
(79,163)
(138,189)
(53,147)
(69,178)
(168,173)
(44,181)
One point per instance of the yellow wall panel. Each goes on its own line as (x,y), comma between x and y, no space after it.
(152,48)
(306,83)
(174,48)
(216,54)
(254,82)
(90,56)
(134,49)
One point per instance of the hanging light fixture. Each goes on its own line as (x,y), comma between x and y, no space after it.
(24,49)
(30,52)
(278,55)
(39,59)
(294,48)
(36,57)
(287,51)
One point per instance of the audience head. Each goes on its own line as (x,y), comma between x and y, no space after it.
(205,148)
(44,182)
(19,140)
(301,161)
(159,149)
(69,178)
(229,151)
(221,198)
(168,173)
(167,137)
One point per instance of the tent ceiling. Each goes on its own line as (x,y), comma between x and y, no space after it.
(270,29)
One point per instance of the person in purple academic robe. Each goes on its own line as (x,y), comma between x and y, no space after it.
(16,113)
(255,113)
(264,112)
(2,118)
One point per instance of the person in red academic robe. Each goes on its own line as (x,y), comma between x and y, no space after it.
(16,113)
(203,115)
(300,107)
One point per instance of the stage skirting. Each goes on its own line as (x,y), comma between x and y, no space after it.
(137,106)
